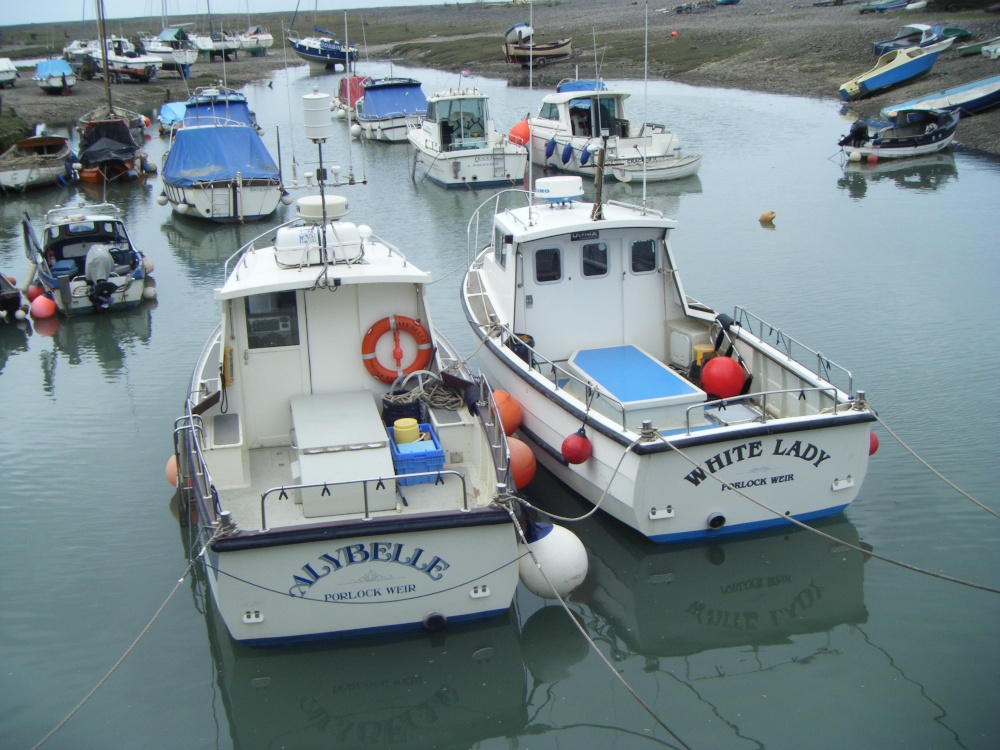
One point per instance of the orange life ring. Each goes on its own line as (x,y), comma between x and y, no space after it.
(396,323)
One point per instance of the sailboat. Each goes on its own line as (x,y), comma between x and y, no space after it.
(108,148)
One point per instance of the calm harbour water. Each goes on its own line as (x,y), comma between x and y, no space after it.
(777,641)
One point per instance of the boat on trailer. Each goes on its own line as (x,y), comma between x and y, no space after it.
(348,475)
(679,421)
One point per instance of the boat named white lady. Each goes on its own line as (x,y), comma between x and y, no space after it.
(458,145)
(344,467)
(667,414)
(583,116)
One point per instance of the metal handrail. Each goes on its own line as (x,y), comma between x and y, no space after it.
(780,340)
(760,396)
(283,490)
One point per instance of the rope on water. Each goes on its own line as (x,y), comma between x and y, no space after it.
(506,502)
(131,648)
(934,471)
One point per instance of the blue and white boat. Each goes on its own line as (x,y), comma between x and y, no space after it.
(217,167)
(54,76)
(911,35)
(893,68)
(966,99)
(681,422)
(323,51)
(389,109)
(913,132)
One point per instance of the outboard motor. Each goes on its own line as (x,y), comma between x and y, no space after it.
(857,135)
(99,266)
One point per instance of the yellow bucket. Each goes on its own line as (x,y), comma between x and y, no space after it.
(406,430)
(703,353)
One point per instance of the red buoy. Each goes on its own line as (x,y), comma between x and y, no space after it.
(576,448)
(722,377)
(520,133)
(34,291)
(43,307)
(522,462)
(508,411)
(872,443)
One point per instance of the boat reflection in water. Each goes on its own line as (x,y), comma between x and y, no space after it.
(684,600)
(926,173)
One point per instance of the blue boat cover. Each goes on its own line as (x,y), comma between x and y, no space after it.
(217,153)
(385,98)
(581,84)
(217,110)
(172,113)
(49,68)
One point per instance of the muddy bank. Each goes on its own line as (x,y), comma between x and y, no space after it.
(775,46)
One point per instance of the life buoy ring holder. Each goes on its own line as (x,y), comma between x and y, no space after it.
(396,324)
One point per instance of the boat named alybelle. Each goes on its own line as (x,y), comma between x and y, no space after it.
(329,453)
(667,415)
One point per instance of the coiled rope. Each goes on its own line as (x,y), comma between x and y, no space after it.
(134,643)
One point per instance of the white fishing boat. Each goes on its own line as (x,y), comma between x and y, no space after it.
(8,73)
(648,403)
(86,261)
(584,116)
(457,143)
(175,48)
(39,160)
(344,468)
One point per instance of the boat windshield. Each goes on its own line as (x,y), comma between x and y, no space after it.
(463,122)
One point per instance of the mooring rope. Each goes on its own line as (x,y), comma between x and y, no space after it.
(934,471)
(131,648)
(506,502)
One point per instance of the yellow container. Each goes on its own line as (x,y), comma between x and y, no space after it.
(703,353)
(406,430)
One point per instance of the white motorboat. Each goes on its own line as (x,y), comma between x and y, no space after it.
(583,116)
(257,40)
(35,161)
(217,167)
(345,470)
(652,405)
(54,76)
(124,62)
(175,48)
(86,261)
(457,143)
(8,73)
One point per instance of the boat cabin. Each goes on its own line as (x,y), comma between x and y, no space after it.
(459,120)
(587,114)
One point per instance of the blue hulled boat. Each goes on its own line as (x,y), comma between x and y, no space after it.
(911,35)
(966,99)
(323,50)
(893,68)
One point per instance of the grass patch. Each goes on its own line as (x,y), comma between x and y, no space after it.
(450,53)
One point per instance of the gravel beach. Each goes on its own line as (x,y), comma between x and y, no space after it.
(776,46)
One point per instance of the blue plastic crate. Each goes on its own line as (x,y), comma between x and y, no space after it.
(64,268)
(418,456)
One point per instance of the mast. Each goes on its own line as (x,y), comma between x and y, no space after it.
(104,55)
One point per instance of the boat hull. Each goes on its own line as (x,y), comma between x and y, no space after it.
(226,202)
(365,578)
(656,159)
(670,497)
(325,56)
(388,129)
(486,167)
(967,99)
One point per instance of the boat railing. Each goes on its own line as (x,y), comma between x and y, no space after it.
(760,401)
(197,485)
(81,211)
(485,214)
(283,491)
(794,350)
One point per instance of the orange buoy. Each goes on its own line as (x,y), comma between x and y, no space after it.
(47,326)
(767,216)
(171,470)
(43,307)
(520,133)
(673,33)
(508,411)
(872,443)
(34,291)
(522,462)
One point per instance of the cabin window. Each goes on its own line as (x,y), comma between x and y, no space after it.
(606,113)
(595,259)
(272,320)
(548,266)
(431,115)
(549,112)
(501,243)
(643,256)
